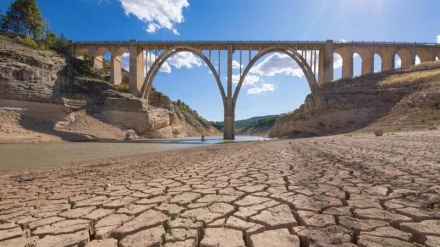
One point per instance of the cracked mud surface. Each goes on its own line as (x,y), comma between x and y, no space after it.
(332,191)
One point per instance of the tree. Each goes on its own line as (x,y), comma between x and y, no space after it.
(61,44)
(24,17)
(51,39)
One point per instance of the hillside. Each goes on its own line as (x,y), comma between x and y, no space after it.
(259,126)
(402,100)
(49,96)
(256,126)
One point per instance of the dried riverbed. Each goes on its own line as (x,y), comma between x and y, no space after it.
(330,191)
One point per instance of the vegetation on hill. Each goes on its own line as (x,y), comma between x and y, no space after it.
(253,122)
(263,122)
(24,19)
(186,108)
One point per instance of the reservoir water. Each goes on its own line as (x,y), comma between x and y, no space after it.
(16,156)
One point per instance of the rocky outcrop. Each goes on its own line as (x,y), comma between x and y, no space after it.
(400,100)
(160,119)
(69,85)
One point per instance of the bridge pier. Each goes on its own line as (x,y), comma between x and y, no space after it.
(229,121)
(115,70)
(136,74)
(326,63)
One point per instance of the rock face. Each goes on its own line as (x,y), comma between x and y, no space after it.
(67,85)
(161,119)
(401,100)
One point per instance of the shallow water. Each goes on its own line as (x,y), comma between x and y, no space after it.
(16,156)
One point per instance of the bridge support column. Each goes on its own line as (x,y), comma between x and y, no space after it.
(229,106)
(367,64)
(326,63)
(229,121)
(388,62)
(115,70)
(136,74)
(347,66)
(98,62)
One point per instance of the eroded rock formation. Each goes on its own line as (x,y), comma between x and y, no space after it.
(53,88)
(401,100)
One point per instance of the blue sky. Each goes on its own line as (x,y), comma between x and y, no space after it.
(274,86)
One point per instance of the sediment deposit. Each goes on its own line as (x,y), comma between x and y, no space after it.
(358,190)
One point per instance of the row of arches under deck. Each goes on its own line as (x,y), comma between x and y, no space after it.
(114,55)
(388,57)
(368,59)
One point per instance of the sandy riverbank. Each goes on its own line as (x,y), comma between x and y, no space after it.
(329,191)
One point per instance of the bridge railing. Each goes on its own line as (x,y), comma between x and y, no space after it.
(206,41)
(261,42)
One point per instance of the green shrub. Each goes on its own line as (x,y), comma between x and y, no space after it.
(27,40)
(123,87)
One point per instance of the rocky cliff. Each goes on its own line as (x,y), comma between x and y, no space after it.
(55,94)
(401,100)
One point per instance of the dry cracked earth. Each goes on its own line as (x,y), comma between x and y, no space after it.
(332,191)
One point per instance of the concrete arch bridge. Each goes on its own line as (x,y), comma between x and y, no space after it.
(316,60)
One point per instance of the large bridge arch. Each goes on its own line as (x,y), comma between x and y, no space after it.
(162,58)
(305,67)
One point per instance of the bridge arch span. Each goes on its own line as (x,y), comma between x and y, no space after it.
(80,52)
(346,55)
(377,63)
(425,56)
(387,59)
(406,57)
(162,58)
(307,70)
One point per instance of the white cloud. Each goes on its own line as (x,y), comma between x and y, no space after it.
(185,59)
(277,64)
(438,39)
(337,61)
(398,63)
(248,80)
(417,60)
(265,87)
(236,65)
(157,14)
(151,59)
(125,62)
(182,59)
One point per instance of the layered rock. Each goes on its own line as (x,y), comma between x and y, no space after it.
(399,100)
(63,85)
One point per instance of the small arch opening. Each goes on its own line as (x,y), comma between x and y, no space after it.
(99,58)
(357,65)
(406,60)
(417,60)
(377,63)
(397,62)
(337,66)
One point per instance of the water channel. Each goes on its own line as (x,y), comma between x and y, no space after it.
(16,156)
